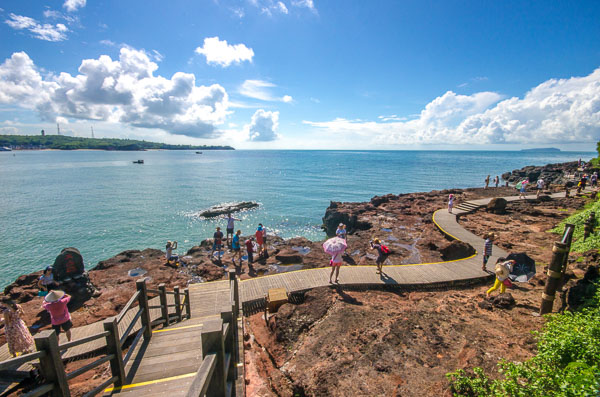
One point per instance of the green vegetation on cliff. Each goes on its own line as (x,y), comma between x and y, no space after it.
(578,219)
(567,362)
(62,142)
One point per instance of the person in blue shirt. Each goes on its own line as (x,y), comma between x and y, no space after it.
(237,249)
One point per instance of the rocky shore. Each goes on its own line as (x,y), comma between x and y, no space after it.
(404,223)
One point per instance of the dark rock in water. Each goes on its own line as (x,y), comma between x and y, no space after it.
(550,173)
(457,250)
(497,205)
(228,208)
(288,256)
(504,301)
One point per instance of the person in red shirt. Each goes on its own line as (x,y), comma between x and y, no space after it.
(250,249)
(56,304)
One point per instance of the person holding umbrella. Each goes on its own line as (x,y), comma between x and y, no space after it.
(335,247)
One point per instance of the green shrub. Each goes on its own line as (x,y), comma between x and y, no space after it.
(578,219)
(567,362)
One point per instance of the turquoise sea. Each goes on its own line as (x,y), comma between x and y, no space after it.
(102,203)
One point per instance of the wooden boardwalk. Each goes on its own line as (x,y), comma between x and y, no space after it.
(169,361)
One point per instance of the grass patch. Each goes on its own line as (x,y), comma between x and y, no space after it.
(567,362)
(578,219)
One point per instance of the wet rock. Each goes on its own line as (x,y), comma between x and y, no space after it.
(504,301)
(227,208)
(497,206)
(457,250)
(336,214)
(289,256)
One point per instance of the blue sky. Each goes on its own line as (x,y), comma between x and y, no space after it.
(305,74)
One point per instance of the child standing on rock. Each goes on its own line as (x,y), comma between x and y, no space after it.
(487,249)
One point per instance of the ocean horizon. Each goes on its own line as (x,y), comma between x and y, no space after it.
(102,203)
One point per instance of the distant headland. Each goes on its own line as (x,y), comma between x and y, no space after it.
(61,142)
(542,149)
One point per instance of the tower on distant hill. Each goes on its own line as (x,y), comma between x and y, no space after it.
(43,133)
(58,128)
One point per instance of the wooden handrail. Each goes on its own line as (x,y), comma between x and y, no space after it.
(199,385)
(130,327)
(101,387)
(39,391)
(87,367)
(127,306)
(82,341)
(133,345)
(18,361)
(153,291)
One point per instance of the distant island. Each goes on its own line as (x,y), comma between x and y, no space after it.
(542,149)
(61,142)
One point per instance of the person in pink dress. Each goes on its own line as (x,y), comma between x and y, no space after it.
(56,304)
(18,337)
(335,263)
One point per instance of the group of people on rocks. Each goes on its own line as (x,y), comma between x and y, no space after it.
(487,181)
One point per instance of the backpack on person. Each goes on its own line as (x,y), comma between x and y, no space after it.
(385,249)
(519,185)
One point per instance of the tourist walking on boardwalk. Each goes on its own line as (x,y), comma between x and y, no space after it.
(584,179)
(450,202)
(383,253)
(521,186)
(496,180)
(335,247)
(502,270)
(539,187)
(250,250)
(56,304)
(230,226)
(487,248)
(237,249)
(487,182)
(46,281)
(18,337)
(594,179)
(217,243)
(260,238)
(341,231)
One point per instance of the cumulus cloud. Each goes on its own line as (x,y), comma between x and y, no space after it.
(263,126)
(259,89)
(119,91)
(40,31)
(220,53)
(73,5)
(305,3)
(556,111)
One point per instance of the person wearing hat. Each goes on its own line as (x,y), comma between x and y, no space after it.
(217,243)
(55,303)
(502,270)
(259,238)
(341,231)
(487,248)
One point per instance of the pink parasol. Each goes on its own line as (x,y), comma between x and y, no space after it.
(334,246)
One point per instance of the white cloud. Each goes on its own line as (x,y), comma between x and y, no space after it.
(220,53)
(556,111)
(259,89)
(9,131)
(45,31)
(120,91)
(305,3)
(73,5)
(282,7)
(263,126)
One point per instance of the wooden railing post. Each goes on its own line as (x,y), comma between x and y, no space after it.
(177,304)
(51,365)
(567,239)
(188,304)
(143,303)
(236,311)
(559,251)
(164,309)
(212,342)
(230,347)
(113,346)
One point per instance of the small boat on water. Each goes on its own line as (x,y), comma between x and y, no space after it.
(138,162)
(7,149)
(198,152)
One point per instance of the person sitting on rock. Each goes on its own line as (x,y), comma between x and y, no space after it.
(502,270)
(169,255)
(46,281)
